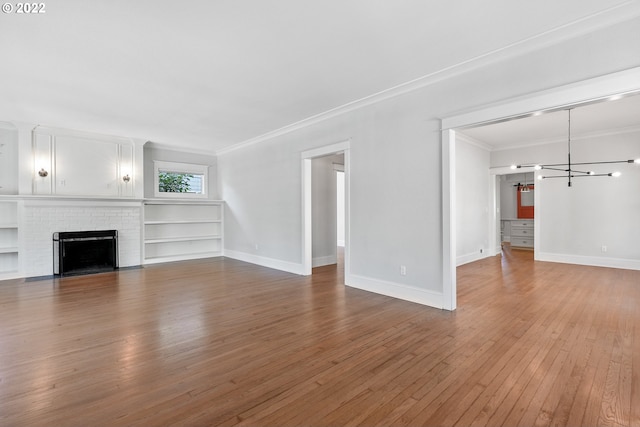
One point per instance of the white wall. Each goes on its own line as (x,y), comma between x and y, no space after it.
(323,211)
(472,201)
(395,174)
(574,223)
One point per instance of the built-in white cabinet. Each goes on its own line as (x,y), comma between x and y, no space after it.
(180,230)
(8,159)
(70,163)
(9,266)
(520,232)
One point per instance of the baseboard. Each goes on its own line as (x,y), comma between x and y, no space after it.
(324,260)
(466,259)
(627,264)
(276,264)
(396,290)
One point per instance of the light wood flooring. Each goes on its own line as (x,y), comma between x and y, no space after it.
(221,342)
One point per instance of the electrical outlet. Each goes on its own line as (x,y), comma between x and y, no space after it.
(604,248)
(403,270)
(256,246)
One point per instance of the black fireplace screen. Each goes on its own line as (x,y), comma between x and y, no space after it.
(85,252)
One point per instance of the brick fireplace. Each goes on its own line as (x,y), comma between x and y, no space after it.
(39,219)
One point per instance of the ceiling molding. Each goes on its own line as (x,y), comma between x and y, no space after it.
(81,134)
(473,141)
(616,14)
(602,133)
(168,147)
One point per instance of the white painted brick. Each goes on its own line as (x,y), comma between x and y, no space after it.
(40,222)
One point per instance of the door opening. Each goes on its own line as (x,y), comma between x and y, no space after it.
(320,170)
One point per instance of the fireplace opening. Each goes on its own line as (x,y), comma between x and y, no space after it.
(85,252)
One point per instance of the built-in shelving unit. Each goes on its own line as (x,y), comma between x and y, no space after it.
(180,230)
(9,251)
(519,232)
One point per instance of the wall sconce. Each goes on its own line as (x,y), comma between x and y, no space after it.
(126,178)
(43,172)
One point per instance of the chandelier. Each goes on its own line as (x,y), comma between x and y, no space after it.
(568,168)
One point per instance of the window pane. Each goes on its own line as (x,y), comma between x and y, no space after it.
(178,182)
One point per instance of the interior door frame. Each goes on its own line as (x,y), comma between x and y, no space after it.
(495,216)
(307,220)
(571,95)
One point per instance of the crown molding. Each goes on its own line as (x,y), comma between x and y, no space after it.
(473,141)
(613,15)
(577,137)
(169,147)
(81,134)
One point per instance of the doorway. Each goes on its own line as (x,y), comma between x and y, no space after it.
(319,210)
(326,198)
(515,199)
(597,89)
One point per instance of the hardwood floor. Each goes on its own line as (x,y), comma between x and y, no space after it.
(221,342)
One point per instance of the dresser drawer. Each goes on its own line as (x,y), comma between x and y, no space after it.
(522,242)
(522,223)
(522,232)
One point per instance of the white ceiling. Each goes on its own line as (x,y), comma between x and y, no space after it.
(605,117)
(207,74)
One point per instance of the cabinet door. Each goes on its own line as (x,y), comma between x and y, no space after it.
(86,167)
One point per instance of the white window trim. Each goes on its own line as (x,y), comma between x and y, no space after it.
(189,168)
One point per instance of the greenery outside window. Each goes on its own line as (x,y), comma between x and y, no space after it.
(182,180)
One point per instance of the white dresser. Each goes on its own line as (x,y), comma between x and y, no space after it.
(522,233)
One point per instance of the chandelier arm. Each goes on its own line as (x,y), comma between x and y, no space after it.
(540,164)
(556,169)
(550,165)
(604,163)
(595,174)
(576,176)
(582,172)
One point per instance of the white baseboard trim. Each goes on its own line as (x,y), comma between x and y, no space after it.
(396,290)
(627,264)
(276,264)
(324,260)
(466,259)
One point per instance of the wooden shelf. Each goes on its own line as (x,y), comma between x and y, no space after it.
(183,257)
(9,247)
(176,230)
(183,239)
(189,221)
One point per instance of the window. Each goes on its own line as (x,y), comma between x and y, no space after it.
(525,202)
(184,180)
